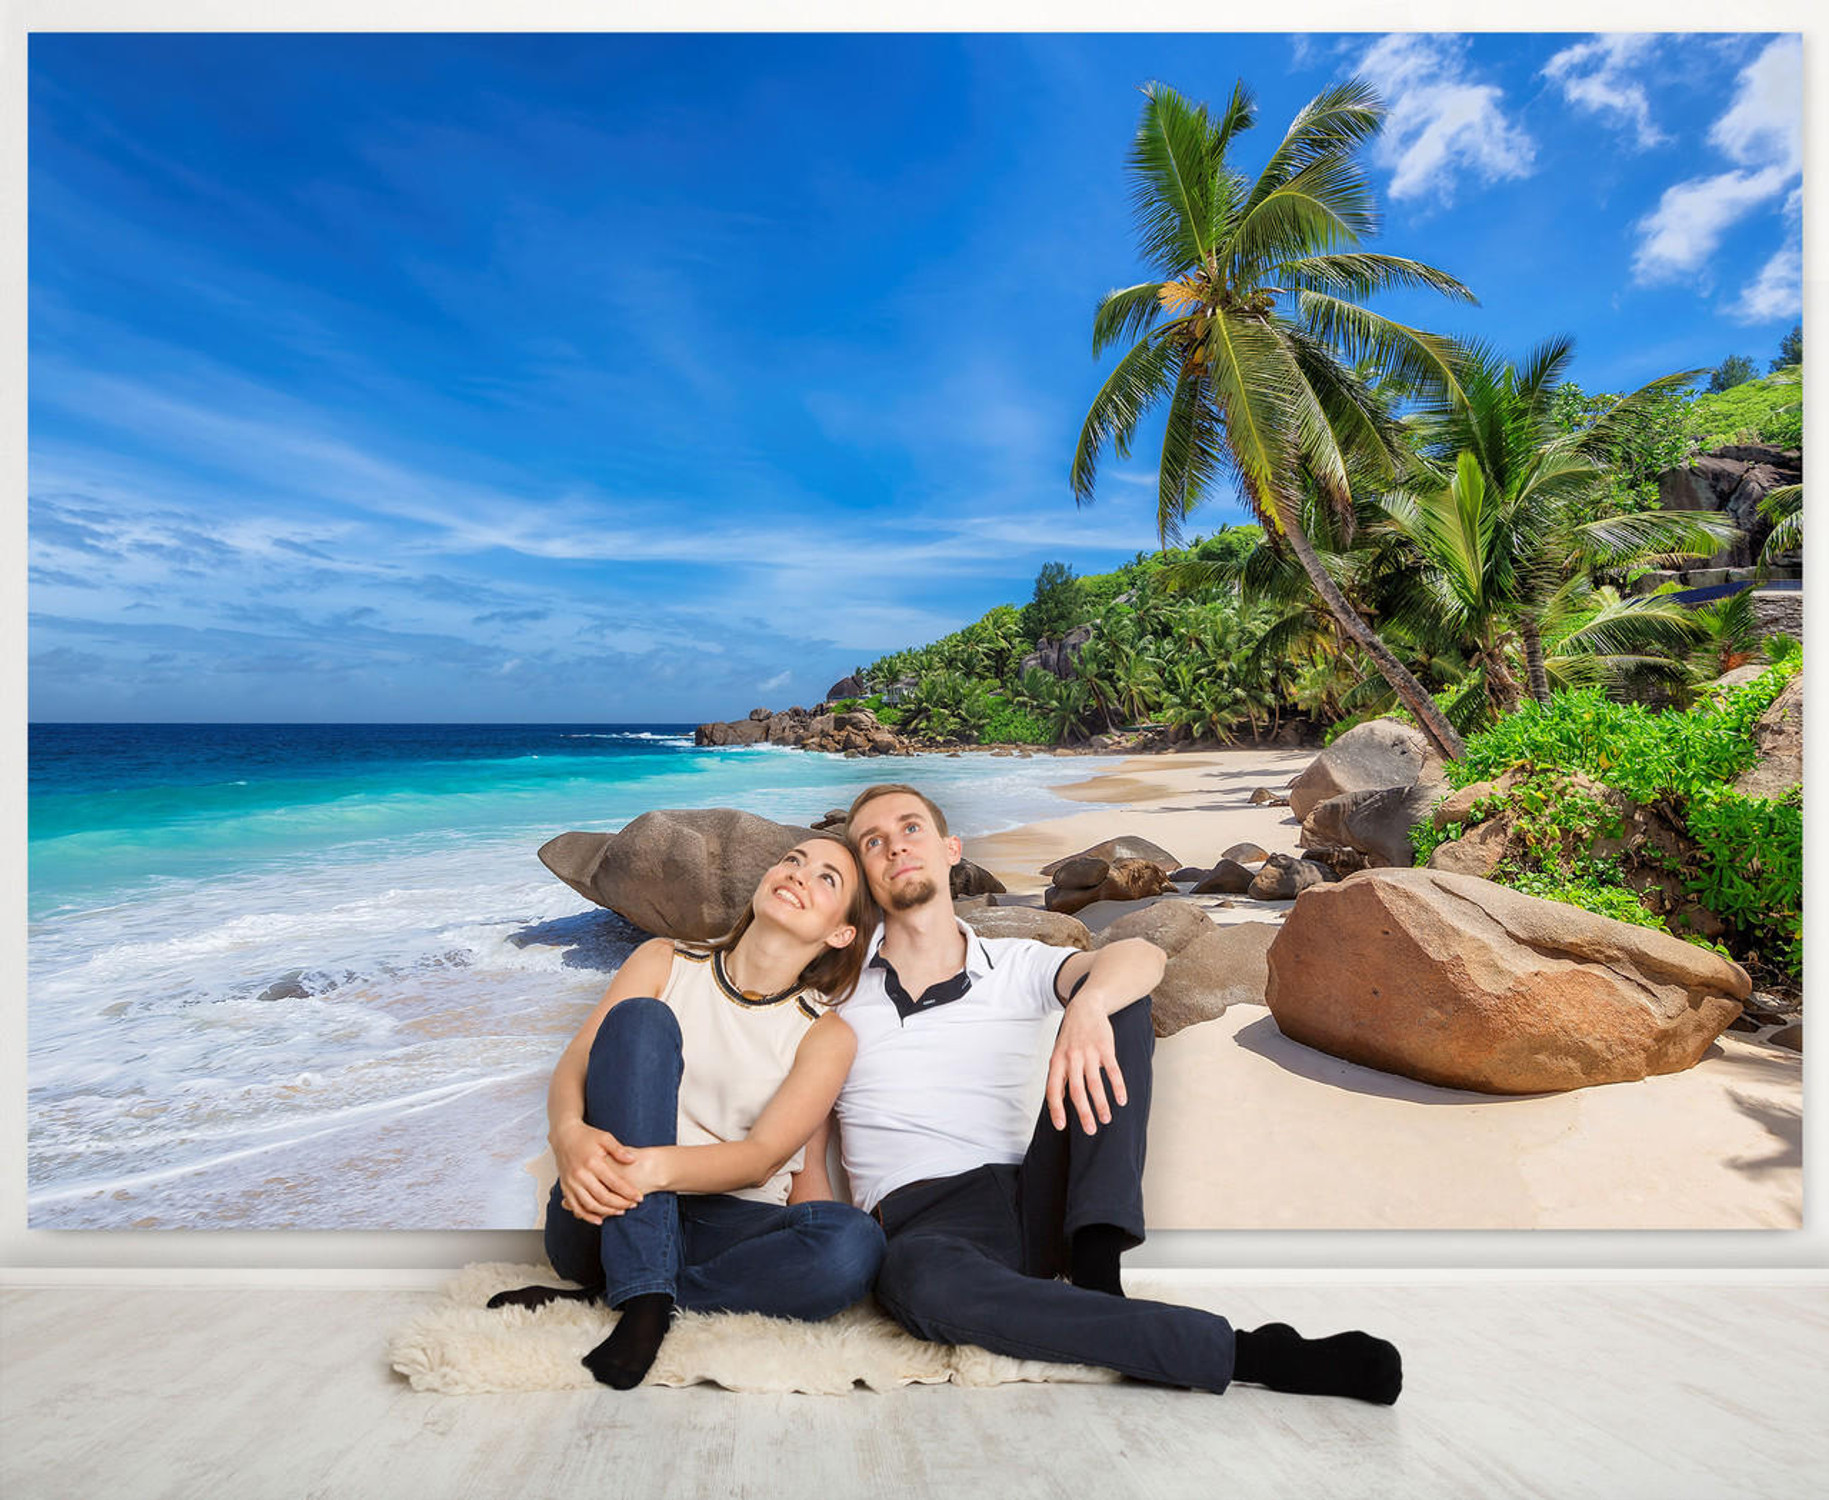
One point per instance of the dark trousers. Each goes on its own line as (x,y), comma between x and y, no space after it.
(972,1258)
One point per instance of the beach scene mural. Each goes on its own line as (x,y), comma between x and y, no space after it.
(1329,505)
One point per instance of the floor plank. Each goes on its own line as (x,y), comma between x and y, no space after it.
(1570,1389)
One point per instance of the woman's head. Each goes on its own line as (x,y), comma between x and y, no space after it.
(817,893)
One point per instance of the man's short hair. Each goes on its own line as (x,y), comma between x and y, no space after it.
(890,788)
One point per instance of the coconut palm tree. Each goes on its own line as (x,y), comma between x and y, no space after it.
(1251,323)
(1502,509)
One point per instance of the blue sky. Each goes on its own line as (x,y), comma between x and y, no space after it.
(652,378)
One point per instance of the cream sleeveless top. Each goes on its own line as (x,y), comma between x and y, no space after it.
(738,1048)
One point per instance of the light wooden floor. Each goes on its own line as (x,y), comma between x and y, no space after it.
(1529,1388)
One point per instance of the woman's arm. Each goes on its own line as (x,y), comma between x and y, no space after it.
(591,1162)
(812,1183)
(788,1120)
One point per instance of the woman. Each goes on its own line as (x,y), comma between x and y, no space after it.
(689,1129)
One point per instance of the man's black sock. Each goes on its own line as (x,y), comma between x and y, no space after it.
(539,1296)
(622,1359)
(1348,1364)
(1093,1258)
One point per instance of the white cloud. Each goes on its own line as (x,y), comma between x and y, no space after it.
(1602,76)
(1691,219)
(780,679)
(1761,132)
(1441,124)
(1778,289)
(1764,125)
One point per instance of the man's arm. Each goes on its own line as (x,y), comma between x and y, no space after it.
(1099,985)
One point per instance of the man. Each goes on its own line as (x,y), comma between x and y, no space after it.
(984,1208)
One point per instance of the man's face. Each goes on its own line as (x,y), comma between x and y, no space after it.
(906,859)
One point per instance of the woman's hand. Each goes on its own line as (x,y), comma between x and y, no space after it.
(646,1169)
(593,1172)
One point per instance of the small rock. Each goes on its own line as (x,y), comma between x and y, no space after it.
(1126,847)
(1170,924)
(1189,872)
(1284,876)
(969,879)
(1791,1036)
(1246,854)
(286,987)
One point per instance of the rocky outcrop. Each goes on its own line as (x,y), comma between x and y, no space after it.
(1058,657)
(1376,822)
(1779,734)
(677,874)
(1463,983)
(1379,753)
(845,687)
(1732,480)
(858,732)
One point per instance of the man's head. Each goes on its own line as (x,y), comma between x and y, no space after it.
(902,844)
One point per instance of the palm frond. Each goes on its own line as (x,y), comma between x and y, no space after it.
(1391,347)
(1139,380)
(1125,314)
(1194,457)
(1358,273)
(1336,122)
(1175,166)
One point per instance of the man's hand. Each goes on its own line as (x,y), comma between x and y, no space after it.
(592,1173)
(1083,1048)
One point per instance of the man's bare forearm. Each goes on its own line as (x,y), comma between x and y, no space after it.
(1121,975)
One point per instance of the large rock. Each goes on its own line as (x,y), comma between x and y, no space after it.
(1127,846)
(1027,922)
(1376,822)
(1126,880)
(1379,753)
(1171,924)
(1223,966)
(677,874)
(741,732)
(845,687)
(1779,734)
(1459,982)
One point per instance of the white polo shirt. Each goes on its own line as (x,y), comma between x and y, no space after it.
(956,1081)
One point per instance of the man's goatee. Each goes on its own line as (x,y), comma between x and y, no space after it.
(910,894)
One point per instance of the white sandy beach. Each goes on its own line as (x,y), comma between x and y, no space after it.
(1253,1131)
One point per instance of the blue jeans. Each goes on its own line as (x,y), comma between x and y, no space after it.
(709,1251)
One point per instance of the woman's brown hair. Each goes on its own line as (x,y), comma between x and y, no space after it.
(834,972)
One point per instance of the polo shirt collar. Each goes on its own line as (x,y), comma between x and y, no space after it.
(978,964)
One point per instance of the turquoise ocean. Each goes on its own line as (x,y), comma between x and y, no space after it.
(313,976)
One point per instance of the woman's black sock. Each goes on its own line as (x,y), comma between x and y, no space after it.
(1093,1258)
(1348,1364)
(539,1296)
(622,1359)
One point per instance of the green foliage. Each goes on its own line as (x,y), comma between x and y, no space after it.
(1655,437)
(1010,725)
(1589,894)
(1767,410)
(1735,370)
(1646,755)
(1056,605)
(1790,348)
(1783,650)
(1753,873)
(1751,870)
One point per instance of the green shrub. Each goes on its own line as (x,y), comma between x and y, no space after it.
(1752,875)
(1010,725)
(1590,894)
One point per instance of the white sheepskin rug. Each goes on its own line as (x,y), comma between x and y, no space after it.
(460,1347)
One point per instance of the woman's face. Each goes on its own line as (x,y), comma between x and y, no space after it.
(808,891)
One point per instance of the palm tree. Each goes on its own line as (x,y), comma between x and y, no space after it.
(1251,324)
(1784,508)
(1502,509)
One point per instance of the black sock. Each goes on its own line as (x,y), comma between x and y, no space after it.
(1093,1258)
(539,1296)
(1348,1364)
(622,1359)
